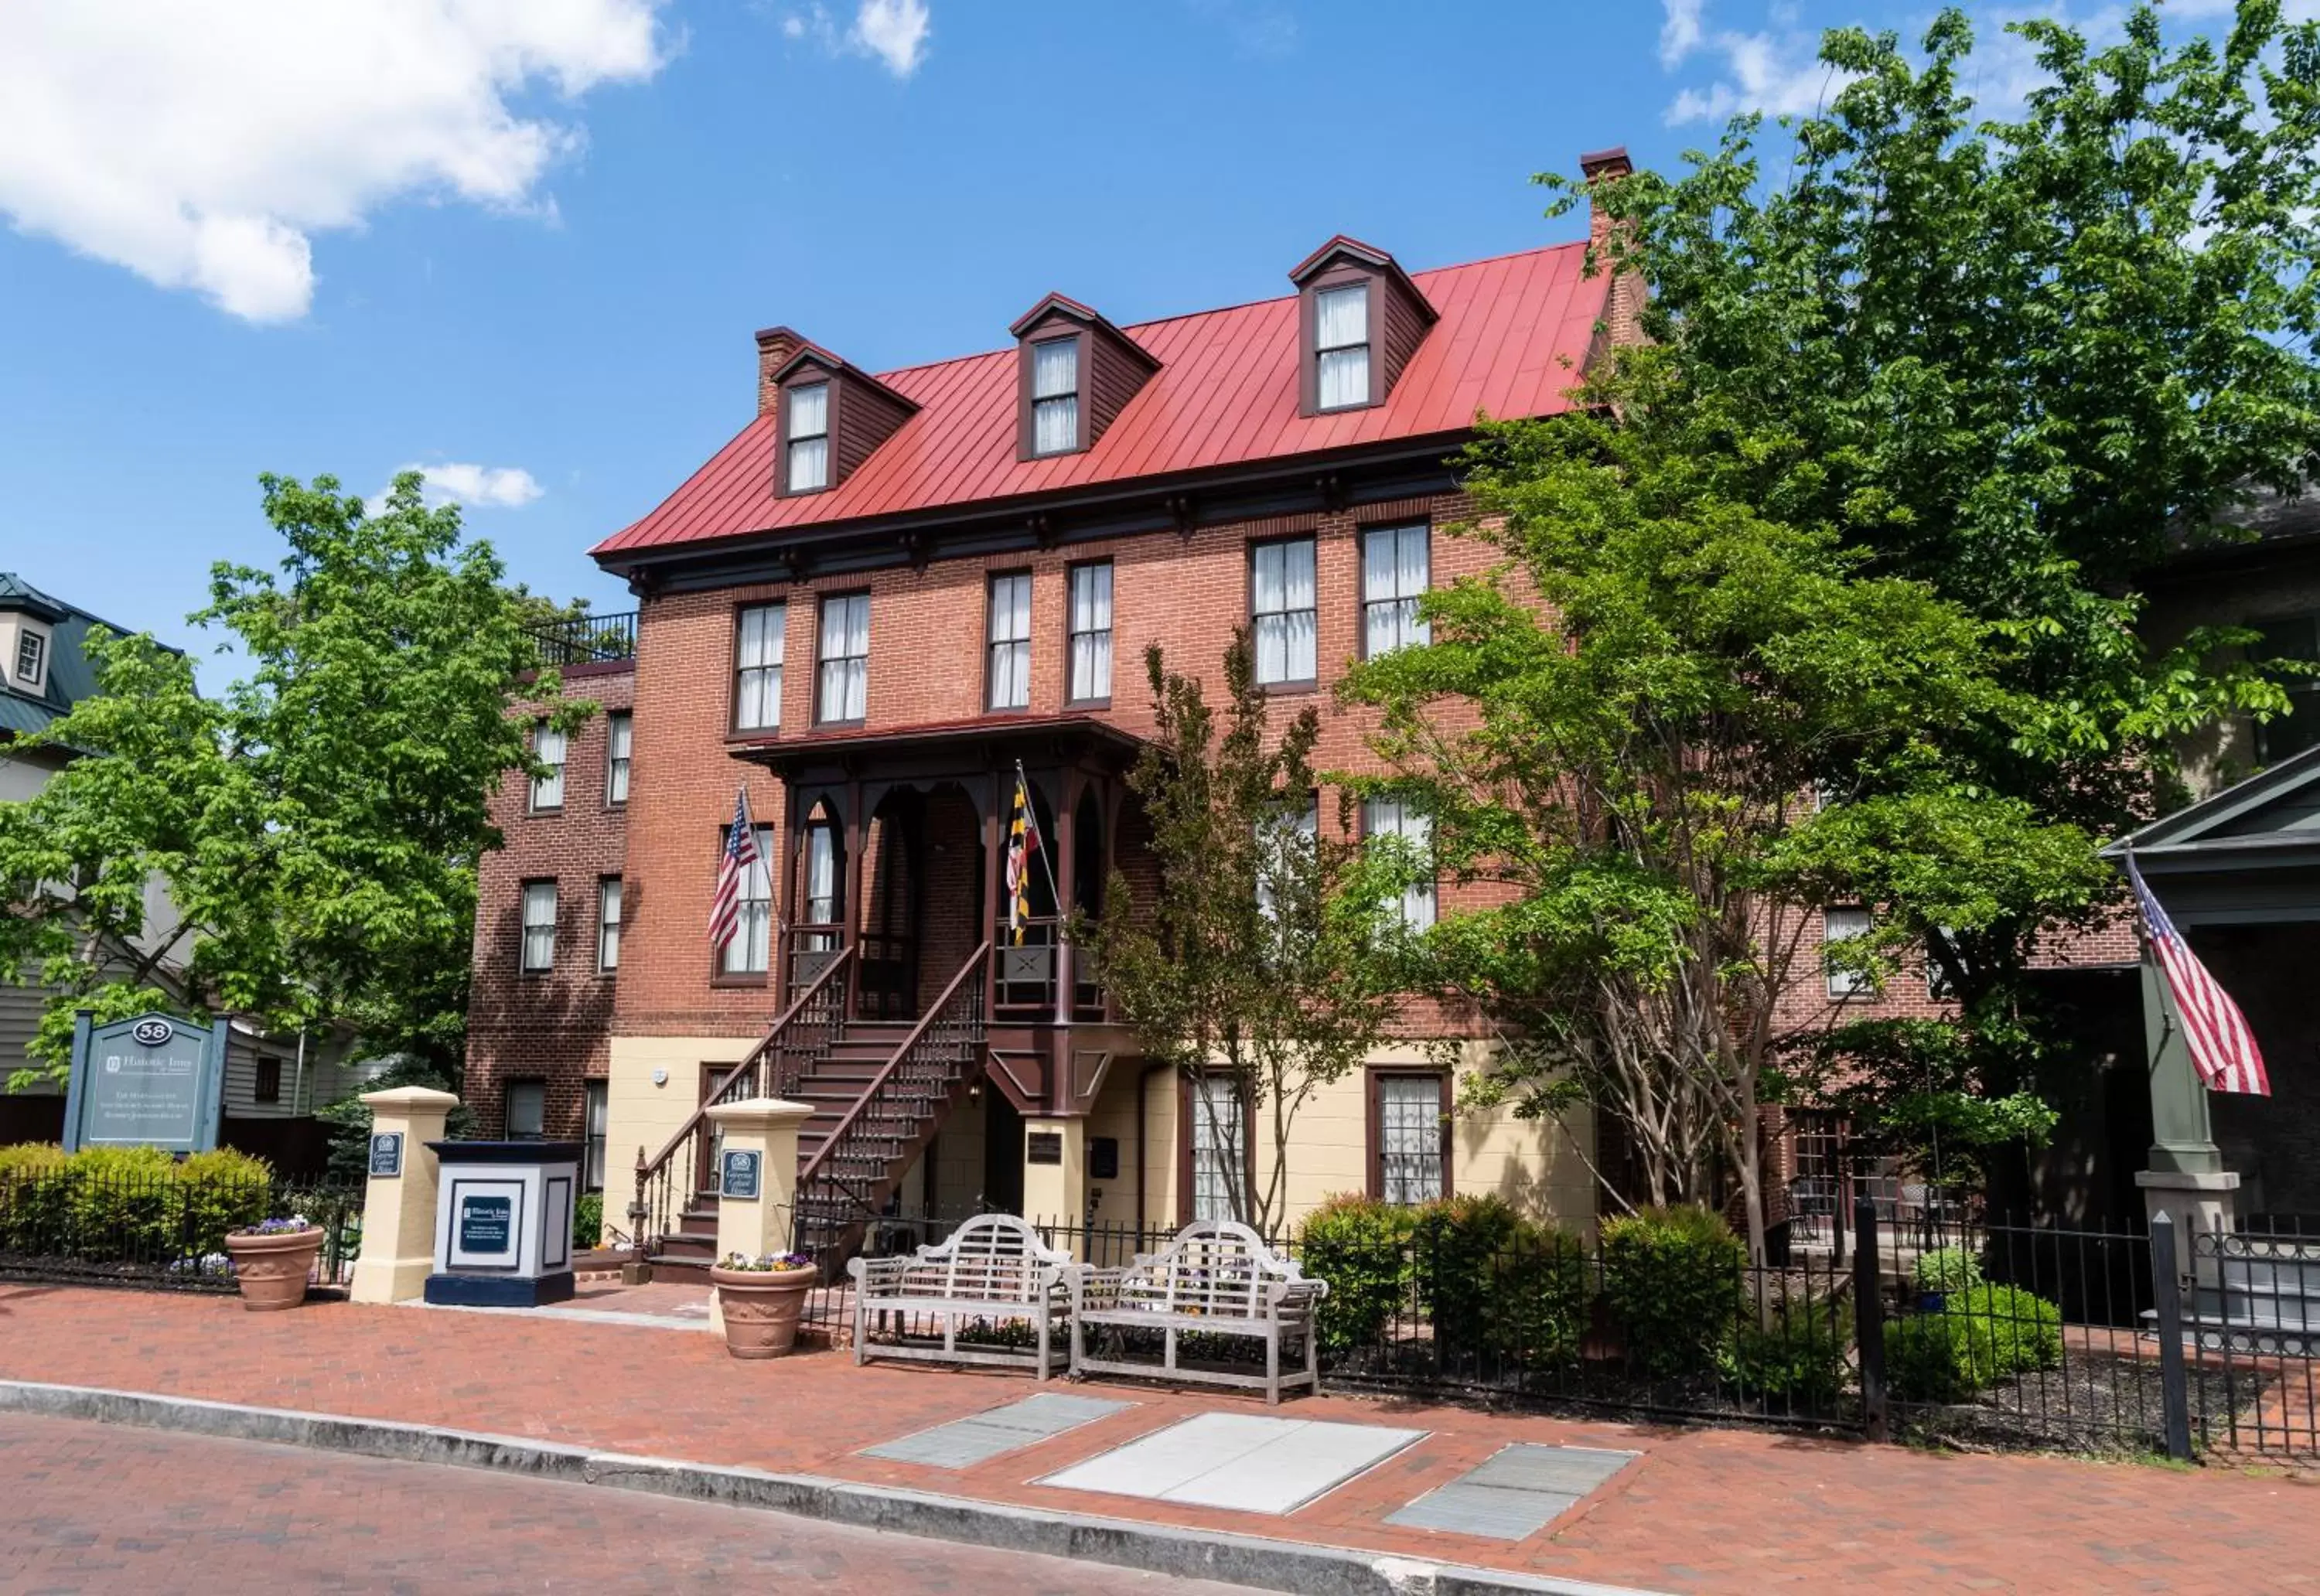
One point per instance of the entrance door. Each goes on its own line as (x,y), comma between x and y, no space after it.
(1003,1153)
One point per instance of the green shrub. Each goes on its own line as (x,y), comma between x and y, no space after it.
(223,1191)
(1981,1337)
(1799,1360)
(127,1204)
(1360,1245)
(1492,1282)
(1673,1278)
(123,1202)
(30,1160)
(35,1198)
(1946,1269)
(588,1220)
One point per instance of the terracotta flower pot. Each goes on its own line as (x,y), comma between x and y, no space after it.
(272,1270)
(762,1308)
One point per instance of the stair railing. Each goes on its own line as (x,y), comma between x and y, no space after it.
(945,1043)
(806,1030)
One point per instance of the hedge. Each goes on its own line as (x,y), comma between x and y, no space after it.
(127,1202)
(1674,1279)
(1980,1338)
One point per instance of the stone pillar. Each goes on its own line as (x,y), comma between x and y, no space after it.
(398,1244)
(1054,1170)
(766,1223)
(2186,1178)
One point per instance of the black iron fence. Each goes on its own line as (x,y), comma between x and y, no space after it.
(1976,1336)
(160,1230)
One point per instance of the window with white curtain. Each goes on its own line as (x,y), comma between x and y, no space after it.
(1394,817)
(845,657)
(1843,925)
(747,953)
(620,742)
(809,436)
(538,926)
(608,924)
(1395,570)
(1220,1147)
(821,872)
(548,747)
(1281,604)
(1409,1139)
(757,645)
(1294,833)
(1010,668)
(1091,632)
(1341,347)
(1055,397)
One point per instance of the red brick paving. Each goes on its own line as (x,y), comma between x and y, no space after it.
(96,1508)
(1701,1510)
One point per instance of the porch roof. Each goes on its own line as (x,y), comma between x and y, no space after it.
(2247,855)
(988,743)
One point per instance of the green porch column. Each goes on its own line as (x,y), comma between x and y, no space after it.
(2187,1177)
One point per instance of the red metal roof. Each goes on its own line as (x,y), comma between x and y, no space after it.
(1512,335)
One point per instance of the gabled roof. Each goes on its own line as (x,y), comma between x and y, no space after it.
(1512,336)
(2275,810)
(814,354)
(1368,255)
(1086,315)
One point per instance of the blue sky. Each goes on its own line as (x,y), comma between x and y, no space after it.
(528,245)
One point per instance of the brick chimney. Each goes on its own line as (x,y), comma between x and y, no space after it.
(1623,310)
(775,345)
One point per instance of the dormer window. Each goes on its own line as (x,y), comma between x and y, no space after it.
(1341,347)
(1056,396)
(809,436)
(32,658)
(1360,319)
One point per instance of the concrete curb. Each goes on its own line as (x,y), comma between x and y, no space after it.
(1233,1559)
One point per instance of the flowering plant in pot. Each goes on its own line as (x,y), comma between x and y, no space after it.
(273,1260)
(761,1300)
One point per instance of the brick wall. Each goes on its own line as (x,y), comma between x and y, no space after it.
(550,1026)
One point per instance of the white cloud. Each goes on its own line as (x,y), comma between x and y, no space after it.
(1680,34)
(202,146)
(479,487)
(1781,75)
(892,32)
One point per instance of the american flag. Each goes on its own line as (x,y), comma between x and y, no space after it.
(732,872)
(2222,1047)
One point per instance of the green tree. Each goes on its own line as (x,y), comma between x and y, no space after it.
(2021,358)
(1622,732)
(317,828)
(1261,958)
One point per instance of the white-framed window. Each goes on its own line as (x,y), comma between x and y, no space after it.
(1341,347)
(1280,610)
(809,436)
(1090,628)
(1055,397)
(821,879)
(1394,817)
(608,924)
(538,927)
(620,744)
(1219,1143)
(547,747)
(595,1120)
(31,655)
(1409,1139)
(845,685)
(527,1110)
(759,632)
(750,950)
(1294,836)
(1845,925)
(1396,564)
(1009,671)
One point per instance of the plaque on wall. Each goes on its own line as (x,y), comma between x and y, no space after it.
(1043,1147)
(386,1155)
(1103,1157)
(738,1174)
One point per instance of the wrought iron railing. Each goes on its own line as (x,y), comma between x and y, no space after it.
(587,640)
(843,1182)
(667,1181)
(167,1230)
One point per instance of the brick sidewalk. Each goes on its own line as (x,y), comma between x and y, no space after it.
(1703,1509)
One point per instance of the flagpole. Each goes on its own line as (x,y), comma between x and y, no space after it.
(1031,813)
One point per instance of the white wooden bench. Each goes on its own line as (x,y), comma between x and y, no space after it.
(993,1267)
(1216,1278)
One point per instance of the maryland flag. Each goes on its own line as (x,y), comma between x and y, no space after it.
(1022,842)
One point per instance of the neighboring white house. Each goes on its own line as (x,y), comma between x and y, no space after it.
(44,671)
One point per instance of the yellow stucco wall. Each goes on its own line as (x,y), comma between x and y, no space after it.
(640,1113)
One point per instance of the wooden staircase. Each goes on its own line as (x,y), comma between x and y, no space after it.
(879,1089)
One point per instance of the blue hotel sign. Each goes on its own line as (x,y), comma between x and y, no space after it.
(155,1081)
(740,1175)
